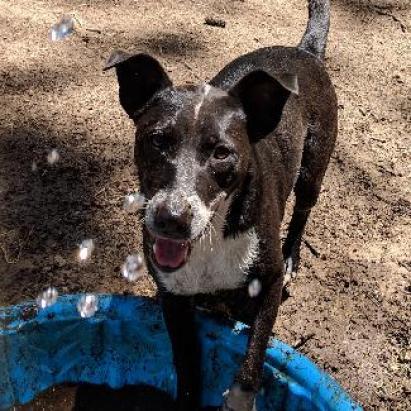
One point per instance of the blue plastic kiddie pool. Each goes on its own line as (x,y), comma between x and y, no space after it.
(126,343)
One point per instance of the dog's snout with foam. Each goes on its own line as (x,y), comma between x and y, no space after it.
(180,198)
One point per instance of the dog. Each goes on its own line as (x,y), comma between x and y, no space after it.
(216,163)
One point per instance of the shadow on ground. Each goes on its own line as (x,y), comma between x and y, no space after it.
(45,209)
(16,81)
(174,44)
(56,197)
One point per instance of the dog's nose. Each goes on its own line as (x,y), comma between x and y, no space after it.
(175,225)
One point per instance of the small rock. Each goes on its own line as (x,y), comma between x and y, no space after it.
(59,260)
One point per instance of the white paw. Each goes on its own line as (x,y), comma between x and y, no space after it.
(290,274)
(238,400)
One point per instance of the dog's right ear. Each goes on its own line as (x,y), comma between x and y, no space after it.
(139,76)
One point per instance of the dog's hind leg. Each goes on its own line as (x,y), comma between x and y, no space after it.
(318,147)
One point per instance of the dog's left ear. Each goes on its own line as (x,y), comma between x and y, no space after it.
(263,97)
(139,76)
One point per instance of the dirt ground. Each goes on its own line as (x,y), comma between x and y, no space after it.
(355,298)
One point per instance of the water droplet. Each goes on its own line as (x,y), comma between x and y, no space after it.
(87,305)
(34,167)
(133,268)
(53,156)
(133,202)
(47,298)
(86,249)
(62,29)
(254,288)
(239,327)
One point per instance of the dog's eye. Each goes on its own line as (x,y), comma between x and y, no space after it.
(221,152)
(159,141)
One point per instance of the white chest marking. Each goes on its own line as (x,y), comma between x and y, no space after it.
(215,264)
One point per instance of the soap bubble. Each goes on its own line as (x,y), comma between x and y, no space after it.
(133,202)
(87,305)
(62,29)
(254,288)
(53,156)
(133,268)
(86,249)
(47,298)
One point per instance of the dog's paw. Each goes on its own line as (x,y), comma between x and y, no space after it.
(290,271)
(236,399)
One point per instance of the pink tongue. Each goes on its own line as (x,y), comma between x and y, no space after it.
(169,253)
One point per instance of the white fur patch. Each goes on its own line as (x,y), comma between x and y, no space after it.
(182,192)
(206,90)
(216,263)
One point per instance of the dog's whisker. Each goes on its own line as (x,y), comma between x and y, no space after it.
(212,228)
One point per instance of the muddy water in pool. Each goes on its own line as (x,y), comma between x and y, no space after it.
(353,300)
(99,398)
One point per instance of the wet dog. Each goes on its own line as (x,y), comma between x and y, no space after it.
(217,162)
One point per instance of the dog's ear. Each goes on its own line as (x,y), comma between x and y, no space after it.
(139,76)
(263,97)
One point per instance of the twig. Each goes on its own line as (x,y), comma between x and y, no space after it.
(191,69)
(103,190)
(83,27)
(311,248)
(303,340)
(98,31)
(211,21)
(22,244)
(5,254)
(395,18)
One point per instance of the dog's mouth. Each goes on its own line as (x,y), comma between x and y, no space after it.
(169,254)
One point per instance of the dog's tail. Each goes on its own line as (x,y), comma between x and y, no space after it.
(315,37)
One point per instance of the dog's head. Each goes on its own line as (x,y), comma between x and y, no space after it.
(193,146)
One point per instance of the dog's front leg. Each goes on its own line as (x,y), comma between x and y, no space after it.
(179,317)
(241,396)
